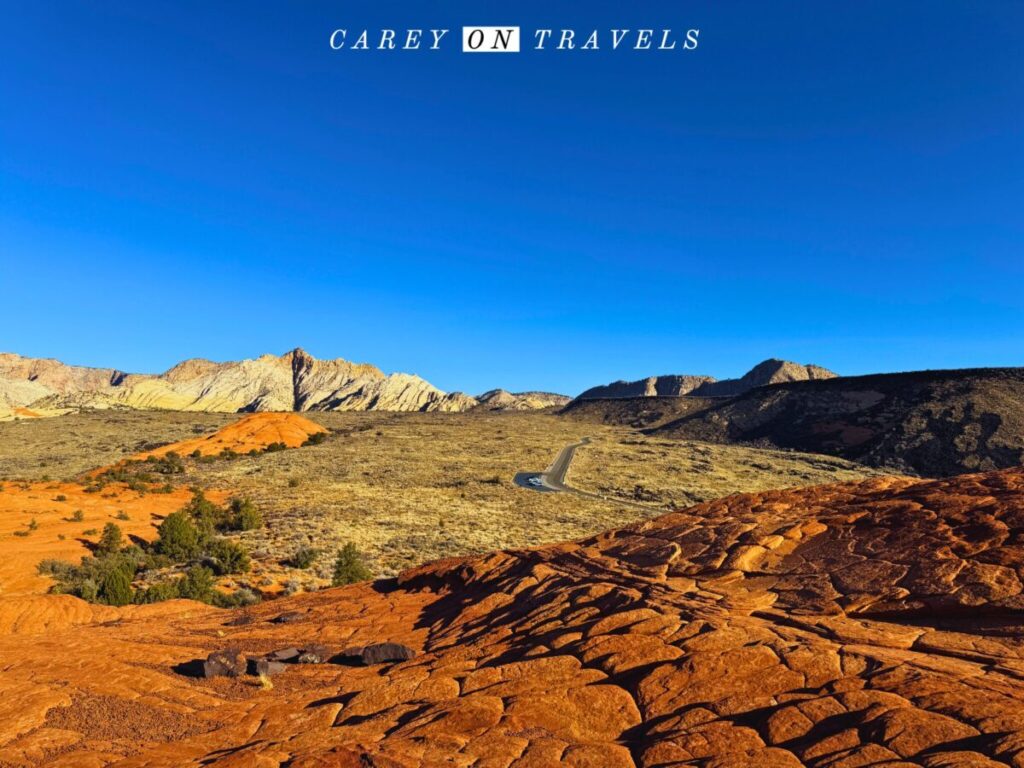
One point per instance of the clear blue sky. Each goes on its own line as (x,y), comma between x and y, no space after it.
(837,183)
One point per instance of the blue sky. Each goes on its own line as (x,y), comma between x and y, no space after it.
(831,183)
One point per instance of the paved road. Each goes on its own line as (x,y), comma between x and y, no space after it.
(552,479)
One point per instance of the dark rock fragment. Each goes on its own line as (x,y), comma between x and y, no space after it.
(314,654)
(380,653)
(284,655)
(269,668)
(226,663)
(288,618)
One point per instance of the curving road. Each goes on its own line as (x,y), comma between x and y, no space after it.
(552,479)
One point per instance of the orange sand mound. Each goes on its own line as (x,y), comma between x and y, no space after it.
(253,432)
(22,503)
(866,624)
(26,413)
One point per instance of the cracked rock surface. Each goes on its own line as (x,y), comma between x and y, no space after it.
(870,624)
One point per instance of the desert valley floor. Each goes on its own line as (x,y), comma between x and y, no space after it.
(407,487)
(720,606)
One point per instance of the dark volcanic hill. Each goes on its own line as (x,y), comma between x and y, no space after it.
(933,423)
(636,412)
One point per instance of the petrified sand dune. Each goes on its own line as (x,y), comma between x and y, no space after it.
(870,624)
(250,433)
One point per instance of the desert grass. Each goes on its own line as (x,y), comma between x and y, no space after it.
(409,488)
(678,473)
(64,447)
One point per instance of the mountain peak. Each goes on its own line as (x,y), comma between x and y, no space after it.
(503,400)
(776,371)
(294,381)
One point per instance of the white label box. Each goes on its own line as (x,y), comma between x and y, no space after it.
(490,39)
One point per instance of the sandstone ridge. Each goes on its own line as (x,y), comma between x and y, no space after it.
(502,400)
(764,373)
(295,381)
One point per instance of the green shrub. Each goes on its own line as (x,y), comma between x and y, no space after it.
(58,569)
(111,541)
(116,587)
(304,557)
(170,464)
(240,598)
(178,537)
(349,567)
(77,516)
(229,556)
(275,447)
(187,536)
(315,439)
(157,593)
(88,590)
(60,497)
(33,524)
(197,584)
(122,515)
(293,482)
(207,516)
(90,532)
(245,516)
(92,579)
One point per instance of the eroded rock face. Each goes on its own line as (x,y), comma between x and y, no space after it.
(871,624)
(767,372)
(295,381)
(652,386)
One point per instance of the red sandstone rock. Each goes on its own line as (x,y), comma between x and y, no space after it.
(872,624)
